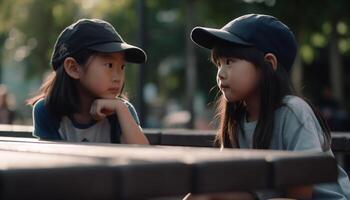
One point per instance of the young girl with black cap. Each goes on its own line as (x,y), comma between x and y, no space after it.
(258,108)
(82,99)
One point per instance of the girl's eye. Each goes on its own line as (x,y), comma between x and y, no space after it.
(109,65)
(123,66)
(230,61)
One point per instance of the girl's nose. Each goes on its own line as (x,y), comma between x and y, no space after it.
(115,77)
(221,74)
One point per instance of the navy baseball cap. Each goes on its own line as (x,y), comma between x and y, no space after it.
(96,35)
(264,32)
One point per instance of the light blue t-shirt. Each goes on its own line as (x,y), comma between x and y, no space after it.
(296,128)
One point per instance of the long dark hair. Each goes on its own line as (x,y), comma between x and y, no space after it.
(59,89)
(273,86)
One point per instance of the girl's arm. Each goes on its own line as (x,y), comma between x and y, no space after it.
(131,131)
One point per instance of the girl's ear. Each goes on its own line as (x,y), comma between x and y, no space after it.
(271,58)
(72,67)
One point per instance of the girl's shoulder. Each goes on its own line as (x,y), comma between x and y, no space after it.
(41,112)
(296,107)
(40,108)
(296,103)
(298,126)
(45,125)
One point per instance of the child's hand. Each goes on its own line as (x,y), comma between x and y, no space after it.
(101,108)
(131,131)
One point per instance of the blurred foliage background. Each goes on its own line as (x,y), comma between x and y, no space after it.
(176,87)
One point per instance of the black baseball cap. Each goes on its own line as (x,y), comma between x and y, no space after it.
(264,32)
(96,35)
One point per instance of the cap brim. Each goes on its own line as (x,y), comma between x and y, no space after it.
(133,54)
(210,37)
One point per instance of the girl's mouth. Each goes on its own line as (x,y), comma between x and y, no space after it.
(222,87)
(114,90)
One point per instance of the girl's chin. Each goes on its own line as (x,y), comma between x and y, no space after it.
(109,96)
(228,98)
(231,98)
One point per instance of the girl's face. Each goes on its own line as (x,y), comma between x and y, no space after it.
(236,78)
(104,74)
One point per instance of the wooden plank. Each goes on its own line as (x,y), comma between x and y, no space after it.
(285,169)
(228,169)
(177,137)
(303,169)
(153,136)
(20,139)
(202,160)
(185,137)
(341,142)
(16,130)
(39,176)
(27,175)
(230,175)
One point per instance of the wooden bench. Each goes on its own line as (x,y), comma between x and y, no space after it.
(60,170)
(177,137)
(341,142)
